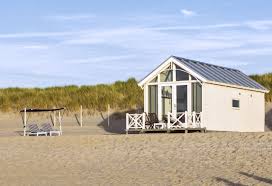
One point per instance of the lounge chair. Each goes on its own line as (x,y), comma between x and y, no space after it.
(33,129)
(151,118)
(46,127)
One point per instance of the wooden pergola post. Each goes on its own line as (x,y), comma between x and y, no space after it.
(25,122)
(54,118)
(60,122)
(81,115)
(108,115)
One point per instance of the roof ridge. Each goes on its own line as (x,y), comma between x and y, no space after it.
(204,63)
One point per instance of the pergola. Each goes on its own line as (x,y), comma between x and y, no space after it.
(54,111)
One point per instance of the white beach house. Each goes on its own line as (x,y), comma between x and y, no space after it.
(187,94)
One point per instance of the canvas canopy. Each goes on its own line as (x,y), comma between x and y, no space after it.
(42,110)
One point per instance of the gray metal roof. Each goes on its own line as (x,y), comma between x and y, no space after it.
(220,74)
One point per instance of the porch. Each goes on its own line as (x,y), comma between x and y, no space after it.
(182,122)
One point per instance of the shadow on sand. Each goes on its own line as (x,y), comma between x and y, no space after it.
(227,182)
(258,178)
(117,124)
(268,120)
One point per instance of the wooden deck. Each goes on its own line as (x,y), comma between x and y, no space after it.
(177,130)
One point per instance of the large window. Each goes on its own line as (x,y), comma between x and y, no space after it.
(182,98)
(155,80)
(181,75)
(196,97)
(166,76)
(153,99)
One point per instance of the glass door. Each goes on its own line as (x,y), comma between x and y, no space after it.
(166,101)
(173,99)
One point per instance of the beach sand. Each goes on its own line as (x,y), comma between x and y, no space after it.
(93,156)
(166,159)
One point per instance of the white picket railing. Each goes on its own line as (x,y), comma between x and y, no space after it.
(184,120)
(194,119)
(174,121)
(135,121)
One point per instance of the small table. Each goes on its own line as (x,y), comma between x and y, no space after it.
(159,125)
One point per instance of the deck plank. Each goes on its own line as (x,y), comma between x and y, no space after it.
(185,130)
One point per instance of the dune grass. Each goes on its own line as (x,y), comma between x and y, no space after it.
(120,95)
(266,81)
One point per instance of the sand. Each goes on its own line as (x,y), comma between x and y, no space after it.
(166,159)
(95,155)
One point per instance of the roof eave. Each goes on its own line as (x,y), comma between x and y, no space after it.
(238,87)
(162,65)
(142,82)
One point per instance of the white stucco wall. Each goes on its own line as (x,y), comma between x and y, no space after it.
(220,116)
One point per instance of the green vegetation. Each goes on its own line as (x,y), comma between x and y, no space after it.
(266,81)
(120,95)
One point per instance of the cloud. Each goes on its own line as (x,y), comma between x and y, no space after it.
(257,25)
(35,47)
(261,51)
(197,27)
(75,17)
(132,38)
(188,13)
(34,34)
(97,59)
(260,24)
(130,49)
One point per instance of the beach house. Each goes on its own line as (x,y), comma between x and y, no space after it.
(188,94)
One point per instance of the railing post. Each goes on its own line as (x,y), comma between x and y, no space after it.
(143,116)
(200,119)
(186,119)
(194,119)
(168,120)
(127,121)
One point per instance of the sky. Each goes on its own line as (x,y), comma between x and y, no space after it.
(86,42)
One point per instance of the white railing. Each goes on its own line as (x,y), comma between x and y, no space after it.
(135,121)
(194,120)
(174,121)
(184,120)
